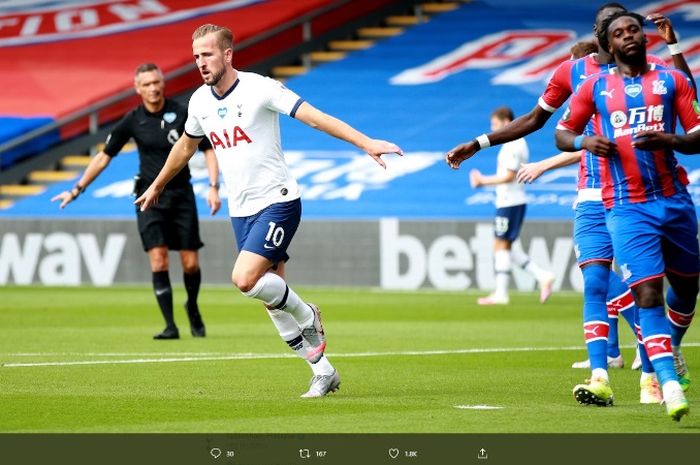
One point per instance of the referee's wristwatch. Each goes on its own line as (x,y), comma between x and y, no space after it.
(214,185)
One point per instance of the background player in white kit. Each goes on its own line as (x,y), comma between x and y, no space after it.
(511,203)
(239,113)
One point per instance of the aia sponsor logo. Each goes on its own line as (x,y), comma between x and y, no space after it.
(224,140)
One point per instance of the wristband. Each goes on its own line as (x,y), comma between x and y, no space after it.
(215,185)
(483,141)
(675,49)
(578,142)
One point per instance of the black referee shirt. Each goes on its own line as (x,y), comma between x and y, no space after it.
(154,134)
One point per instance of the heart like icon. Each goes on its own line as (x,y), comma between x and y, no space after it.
(393,453)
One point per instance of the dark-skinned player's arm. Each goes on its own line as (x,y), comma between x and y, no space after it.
(666,31)
(519,127)
(557,91)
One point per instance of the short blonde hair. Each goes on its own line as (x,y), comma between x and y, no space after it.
(224,34)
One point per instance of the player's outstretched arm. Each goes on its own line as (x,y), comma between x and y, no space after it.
(665,29)
(98,163)
(519,127)
(375,148)
(529,172)
(179,155)
(653,140)
(213,199)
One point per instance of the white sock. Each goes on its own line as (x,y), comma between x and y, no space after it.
(502,267)
(670,387)
(289,331)
(272,290)
(646,376)
(599,373)
(523,261)
(287,327)
(323,367)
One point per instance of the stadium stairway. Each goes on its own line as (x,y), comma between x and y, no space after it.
(365,37)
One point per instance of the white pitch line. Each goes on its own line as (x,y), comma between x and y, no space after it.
(252,356)
(477,407)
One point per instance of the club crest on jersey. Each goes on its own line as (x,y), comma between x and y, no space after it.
(659,87)
(239,106)
(222,112)
(618,119)
(633,90)
(169,117)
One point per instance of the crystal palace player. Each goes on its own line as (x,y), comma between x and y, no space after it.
(239,113)
(593,244)
(649,213)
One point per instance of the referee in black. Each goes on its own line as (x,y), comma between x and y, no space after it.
(155,126)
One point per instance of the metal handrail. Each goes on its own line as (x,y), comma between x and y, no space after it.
(92,110)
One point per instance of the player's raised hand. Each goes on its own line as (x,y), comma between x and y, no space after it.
(148,198)
(475,178)
(376,148)
(65,197)
(528,172)
(663,25)
(600,146)
(460,153)
(652,140)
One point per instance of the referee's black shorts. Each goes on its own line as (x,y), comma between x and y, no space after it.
(171,222)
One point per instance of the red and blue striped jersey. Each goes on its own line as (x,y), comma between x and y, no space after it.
(622,106)
(565,80)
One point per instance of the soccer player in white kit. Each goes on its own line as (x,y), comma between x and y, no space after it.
(511,203)
(239,113)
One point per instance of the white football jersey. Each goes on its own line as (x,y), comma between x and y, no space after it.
(243,128)
(511,156)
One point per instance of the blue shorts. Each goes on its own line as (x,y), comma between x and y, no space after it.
(592,242)
(655,237)
(508,222)
(270,231)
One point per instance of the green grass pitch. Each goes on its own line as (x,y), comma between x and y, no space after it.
(82,360)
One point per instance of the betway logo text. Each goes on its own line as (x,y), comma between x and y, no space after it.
(451,262)
(57,258)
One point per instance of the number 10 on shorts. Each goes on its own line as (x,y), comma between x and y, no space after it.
(275,234)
